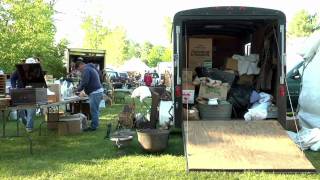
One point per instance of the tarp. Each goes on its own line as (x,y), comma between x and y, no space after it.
(309,99)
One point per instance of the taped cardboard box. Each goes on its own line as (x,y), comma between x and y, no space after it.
(200,50)
(52,120)
(69,126)
(219,92)
(232,64)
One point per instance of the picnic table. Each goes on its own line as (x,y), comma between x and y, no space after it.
(119,94)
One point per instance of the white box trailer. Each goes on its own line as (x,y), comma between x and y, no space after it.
(94,56)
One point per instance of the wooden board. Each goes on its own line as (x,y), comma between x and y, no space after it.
(240,146)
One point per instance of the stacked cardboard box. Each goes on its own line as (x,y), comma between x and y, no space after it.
(67,126)
(219,91)
(188,88)
(231,64)
(200,50)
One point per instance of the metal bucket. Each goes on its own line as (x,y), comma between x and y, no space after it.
(153,140)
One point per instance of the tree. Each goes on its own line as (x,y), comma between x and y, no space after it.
(115,44)
(26,30)
(156,55)
(167,55)
(95,32)
(145,50)
(132,50)
(53,61)
(303,24)
(168,26)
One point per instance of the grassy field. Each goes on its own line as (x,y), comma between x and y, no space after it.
(90,156)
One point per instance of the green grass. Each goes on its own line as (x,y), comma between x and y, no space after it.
(90,156)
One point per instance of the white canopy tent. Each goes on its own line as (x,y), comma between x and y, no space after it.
(134,64)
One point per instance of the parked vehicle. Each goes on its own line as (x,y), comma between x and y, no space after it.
(294,86)
(232,30)
(114,78)
(123,76)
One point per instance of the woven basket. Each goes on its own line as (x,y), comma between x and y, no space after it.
(126,119)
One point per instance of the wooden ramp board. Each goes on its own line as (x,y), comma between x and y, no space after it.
(242,146)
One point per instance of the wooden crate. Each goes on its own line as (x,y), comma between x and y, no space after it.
(29,96)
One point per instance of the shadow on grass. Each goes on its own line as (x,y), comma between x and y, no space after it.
(53,152)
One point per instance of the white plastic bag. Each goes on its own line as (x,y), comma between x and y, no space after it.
(259,110)
(102,104)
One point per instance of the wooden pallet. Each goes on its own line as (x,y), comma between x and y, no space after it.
(242,146)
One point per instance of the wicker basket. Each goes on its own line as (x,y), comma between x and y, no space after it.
(222,111)
(126,119)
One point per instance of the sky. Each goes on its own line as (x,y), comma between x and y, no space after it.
(144,19)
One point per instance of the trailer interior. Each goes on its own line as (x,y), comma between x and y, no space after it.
(237,37)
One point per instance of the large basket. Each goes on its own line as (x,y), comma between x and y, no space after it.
(126,119)
(222,111)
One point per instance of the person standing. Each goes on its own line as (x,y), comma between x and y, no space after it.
(90,83)
(26,115)
(148,79)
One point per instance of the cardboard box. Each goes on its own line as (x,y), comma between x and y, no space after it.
(193,114)
(69,126)
(52,120)
(219,92)
(207,64)
(188,86)
(52,98)
(188,96)
(56,88)
(199,51)
(232,64)
(186,76)
(246,80)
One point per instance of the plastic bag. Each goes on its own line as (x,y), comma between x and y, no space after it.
(102,104)
(239,97)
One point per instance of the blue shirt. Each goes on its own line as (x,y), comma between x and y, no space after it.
(90,80)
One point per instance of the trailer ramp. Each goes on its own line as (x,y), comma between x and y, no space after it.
(241,146)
